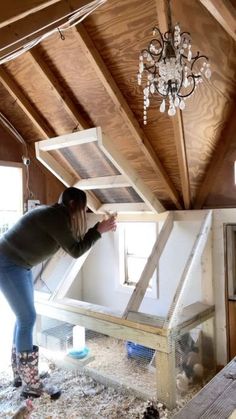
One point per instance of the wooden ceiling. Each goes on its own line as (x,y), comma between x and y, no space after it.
(87,76)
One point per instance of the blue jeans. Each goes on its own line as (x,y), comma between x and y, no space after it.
(16,283)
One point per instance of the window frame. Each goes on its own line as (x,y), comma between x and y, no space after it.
(21,166)
(123,285)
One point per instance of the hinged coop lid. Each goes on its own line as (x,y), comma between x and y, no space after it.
(89,160)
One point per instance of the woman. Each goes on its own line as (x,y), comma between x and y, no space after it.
(34,238)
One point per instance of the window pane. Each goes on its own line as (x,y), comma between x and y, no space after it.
(135,267)
(11,192)
(140,238)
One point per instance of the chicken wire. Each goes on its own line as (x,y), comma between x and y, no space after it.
(131,366)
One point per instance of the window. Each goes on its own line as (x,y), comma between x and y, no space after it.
(11,192)
(11,209)
(136,243)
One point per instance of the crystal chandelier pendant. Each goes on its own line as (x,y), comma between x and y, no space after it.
(169,70)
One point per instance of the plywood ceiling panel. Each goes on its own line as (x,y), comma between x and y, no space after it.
(119,30)
(208,109)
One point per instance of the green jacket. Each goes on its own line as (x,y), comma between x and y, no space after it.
(40,233)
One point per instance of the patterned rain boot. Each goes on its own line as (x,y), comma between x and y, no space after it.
(17,382)
(28,368)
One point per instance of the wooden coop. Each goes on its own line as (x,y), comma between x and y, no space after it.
(111,173)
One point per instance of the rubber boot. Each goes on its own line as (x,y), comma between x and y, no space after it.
(28,369)
(17,381)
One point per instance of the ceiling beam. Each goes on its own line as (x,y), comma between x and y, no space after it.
(37,120)
(177,120)
(28,28)
(224,12)
(13,10)
(126,113)
(28,108)
(57,89)
(227,137)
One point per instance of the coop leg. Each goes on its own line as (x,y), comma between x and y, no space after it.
(166,378)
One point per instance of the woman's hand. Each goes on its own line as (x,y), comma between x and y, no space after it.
(107,225)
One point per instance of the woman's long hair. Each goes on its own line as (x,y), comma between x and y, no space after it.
(78,214)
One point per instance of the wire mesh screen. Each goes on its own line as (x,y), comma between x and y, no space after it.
(194,358)
(132,366)
(112,361)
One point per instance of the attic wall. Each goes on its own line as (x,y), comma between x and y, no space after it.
(44,186)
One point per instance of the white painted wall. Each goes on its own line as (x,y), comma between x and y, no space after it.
(101,272)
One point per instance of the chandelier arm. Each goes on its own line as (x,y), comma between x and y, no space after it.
(153,54)
(197,57)
(158,91)
(185,33)
(193,88)
(149,69)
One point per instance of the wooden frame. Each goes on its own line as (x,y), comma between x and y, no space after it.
(230,287)
(147,333)
(194,256)
(152,263)
(148,330)
(127,175)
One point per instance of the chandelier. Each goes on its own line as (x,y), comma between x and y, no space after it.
(172,71)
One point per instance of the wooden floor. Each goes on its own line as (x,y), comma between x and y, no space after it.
(217,400)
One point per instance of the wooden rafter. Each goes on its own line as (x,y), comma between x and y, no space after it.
(152,263)
(228,135)
(24,103)
(177,121)
(57,89)
(14,9)
(31,26)
(45,131)
(224,12)
(123,108)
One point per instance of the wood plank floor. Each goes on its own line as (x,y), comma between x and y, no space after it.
(217,400)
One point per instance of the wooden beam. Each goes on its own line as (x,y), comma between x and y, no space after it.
(75,312)
(152,263)
(224,12)
(14,9)
(166,377)
(227,137)
(105,182)
(194,257)
(18,33)
(57,88)
(123,108)
(125,207)
(28,108)
(124,167)
(69,140)
(177,120)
